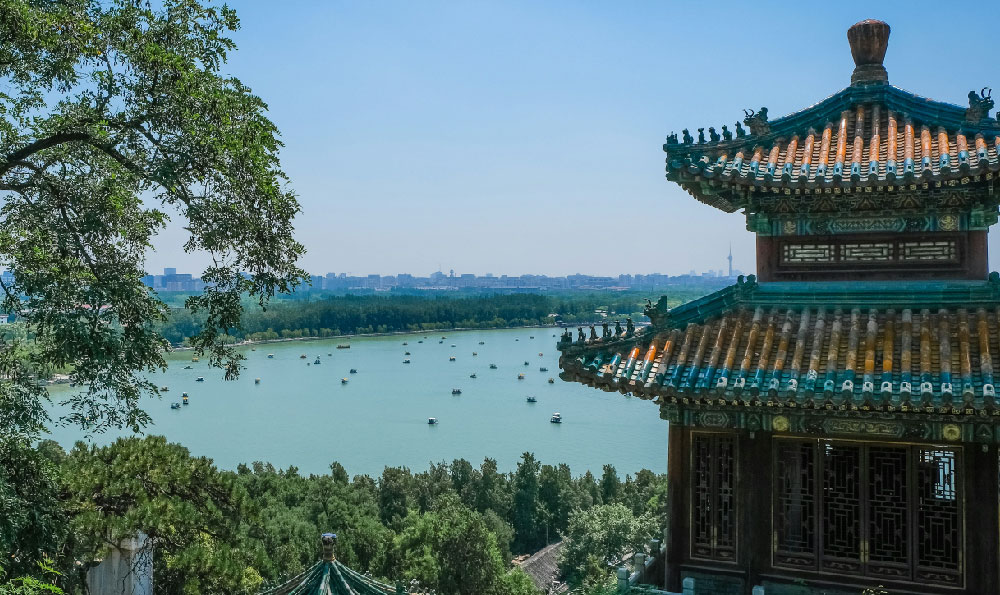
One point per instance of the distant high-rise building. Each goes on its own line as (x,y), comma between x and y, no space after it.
(730,260)
(169,271)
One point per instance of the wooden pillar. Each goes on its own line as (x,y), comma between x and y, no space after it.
(977,264)
(677,506)
(982,520)
(755,500)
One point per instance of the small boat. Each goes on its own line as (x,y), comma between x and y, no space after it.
(184,399)
(200,379)
(520,376)
(493,366)
(517,339)
(443,337)
(256,380)
(474,354)
(532,337)
(452,344)
(451,358)
(432,421)
(303,356)
(194,359)
(439,342)
(456,391)
(405,343)
(552,380)
(532,400)
(526,363)
(354,370)
(407,353)
(543,369)
(329,354)
(482,342)
(539,354)
(406,361)
(473,375)
(164,389)
(175,405)
(344,380)
(420,341)
(308,363)
(253,349)
(188,367)
(317,362)
(270,356)
(184,395)
(556,418)
(344,346)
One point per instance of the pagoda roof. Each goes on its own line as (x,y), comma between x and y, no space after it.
(870,135)
(330,577)
(913,347)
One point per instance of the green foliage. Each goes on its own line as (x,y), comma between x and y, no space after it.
(113,117)
(191,512)
(452,526)
(599,538)
(331,316)
(28,585)
(32,519)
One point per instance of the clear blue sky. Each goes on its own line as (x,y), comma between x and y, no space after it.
(525,137)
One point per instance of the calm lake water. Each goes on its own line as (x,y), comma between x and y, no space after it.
(302,415)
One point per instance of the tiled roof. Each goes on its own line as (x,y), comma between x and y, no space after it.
(331,578)
(543,568)
(877,136)
(925,347)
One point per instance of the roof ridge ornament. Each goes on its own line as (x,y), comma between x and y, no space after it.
(757,122)
(979,106)
(869,39)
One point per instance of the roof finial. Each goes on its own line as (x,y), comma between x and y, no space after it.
(329,545)
(869,39)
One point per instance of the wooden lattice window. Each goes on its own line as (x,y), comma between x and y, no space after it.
(879,510)
(713,501)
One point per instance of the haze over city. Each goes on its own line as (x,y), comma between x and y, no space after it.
(525,138)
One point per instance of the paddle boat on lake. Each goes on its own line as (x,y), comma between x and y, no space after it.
(175,405)
(200,379)
(532,399)
(556,418)
(432,421)
(456,391)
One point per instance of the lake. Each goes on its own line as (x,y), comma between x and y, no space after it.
(301,414)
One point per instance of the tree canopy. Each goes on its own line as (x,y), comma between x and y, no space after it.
(114,117)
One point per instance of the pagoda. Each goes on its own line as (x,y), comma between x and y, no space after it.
(330,577)
(833,420)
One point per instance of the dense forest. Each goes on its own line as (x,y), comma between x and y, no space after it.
(335,315)
(453,527)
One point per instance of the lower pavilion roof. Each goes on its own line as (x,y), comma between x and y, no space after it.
(920,347)
(331,578)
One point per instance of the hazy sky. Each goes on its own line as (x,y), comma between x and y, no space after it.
(526,137)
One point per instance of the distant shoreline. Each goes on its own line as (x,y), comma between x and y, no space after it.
(386,334)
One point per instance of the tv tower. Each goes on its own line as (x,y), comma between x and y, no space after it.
(730,259)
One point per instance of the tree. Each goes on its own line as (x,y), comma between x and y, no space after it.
(527,509)
(450,549)
(32,520)
(605,533)
(610,485)
(115,116)
(190,511)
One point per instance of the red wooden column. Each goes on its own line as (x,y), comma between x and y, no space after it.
(677,506)
(982,519)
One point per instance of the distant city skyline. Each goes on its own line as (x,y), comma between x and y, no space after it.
(524,137)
